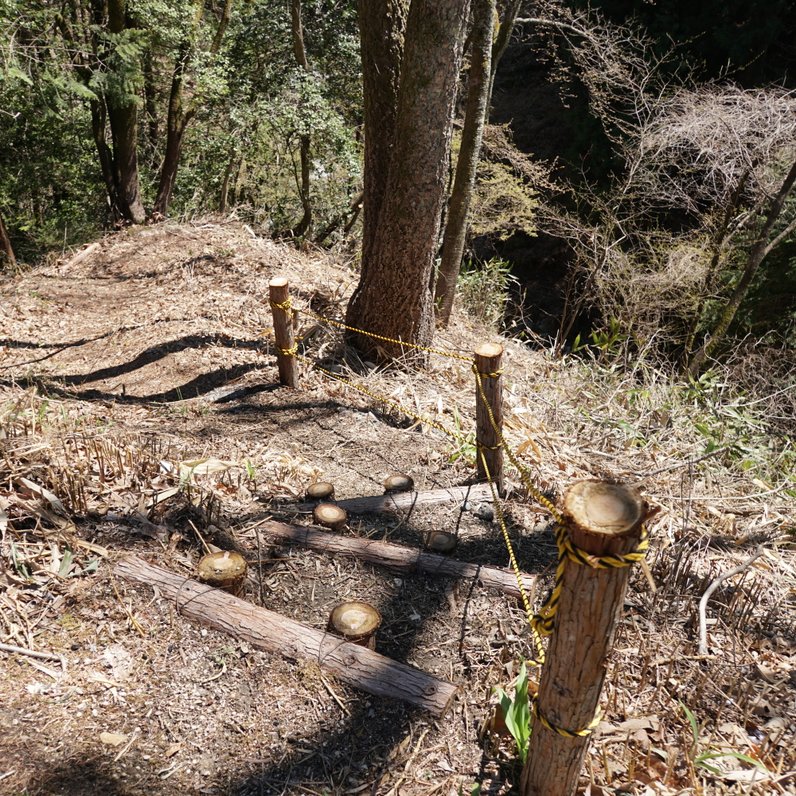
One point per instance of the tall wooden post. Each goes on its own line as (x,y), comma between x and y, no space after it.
(489,398)
(601,519)
(279,294)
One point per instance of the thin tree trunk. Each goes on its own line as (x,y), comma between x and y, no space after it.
(5,244)
(123,118)
(176,123)
(394,296)
(179,116)
(469,153)
(758,253)
(344,218)
(505,29)
(300,54)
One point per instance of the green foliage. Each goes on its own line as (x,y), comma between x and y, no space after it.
(484,289)
(503,203)
(701,759)
(517,712)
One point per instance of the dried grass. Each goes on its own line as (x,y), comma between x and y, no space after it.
(712,455)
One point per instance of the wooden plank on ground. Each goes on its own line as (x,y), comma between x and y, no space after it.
(398,501)
(395,556)
(273,632)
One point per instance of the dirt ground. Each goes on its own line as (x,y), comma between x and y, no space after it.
(140,413)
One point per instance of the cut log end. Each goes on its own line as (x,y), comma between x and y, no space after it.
(399,482)
(489,350)
(356,622)
(320,490)
(330,516)
(278,281)
(224,570)
(441,542)
(598,512)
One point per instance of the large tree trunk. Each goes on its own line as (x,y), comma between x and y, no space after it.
(469,153)
(761,248)
(382,25)
(394,296)
(123,118)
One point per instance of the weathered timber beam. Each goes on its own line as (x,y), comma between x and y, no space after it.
(397,501)
(266,630)
(395,556)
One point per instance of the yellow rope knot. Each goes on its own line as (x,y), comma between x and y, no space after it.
(286,305)
(582,733)
(288,352)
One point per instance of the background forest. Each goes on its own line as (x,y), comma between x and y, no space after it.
(635,183)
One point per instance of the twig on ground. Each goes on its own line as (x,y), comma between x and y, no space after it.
(45,656)
(703,629)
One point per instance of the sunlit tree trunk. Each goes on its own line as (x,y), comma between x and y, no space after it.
(394,296)
(181,112)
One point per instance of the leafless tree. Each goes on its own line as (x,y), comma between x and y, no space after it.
(704,196)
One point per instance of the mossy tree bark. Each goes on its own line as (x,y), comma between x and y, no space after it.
(394,296)
(469,153)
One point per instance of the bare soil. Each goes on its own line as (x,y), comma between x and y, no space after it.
(140,412)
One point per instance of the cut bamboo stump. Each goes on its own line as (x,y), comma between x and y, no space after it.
(399,482)
(601,519)
(330,515)
(356,622)
(266,630)
(397,501)
(224,570)
(441,542)
(489,408)
(279,294)
(320,490)
(395,556)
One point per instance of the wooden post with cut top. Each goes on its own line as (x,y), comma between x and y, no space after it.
(601,519)
(279,295)
(489,408)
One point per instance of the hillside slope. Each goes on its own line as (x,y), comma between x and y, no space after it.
(153,349)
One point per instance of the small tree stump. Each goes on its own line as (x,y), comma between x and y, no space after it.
(441,542)
(225,570)
(356,622)
(399,482)
(601,519)
(320,490)
(330,516)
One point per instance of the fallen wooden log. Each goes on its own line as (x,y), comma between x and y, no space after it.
(397,501)
(395,556)
(266,630)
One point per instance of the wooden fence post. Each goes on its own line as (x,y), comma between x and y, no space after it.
(279,295)
(601,519)
(487,362)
